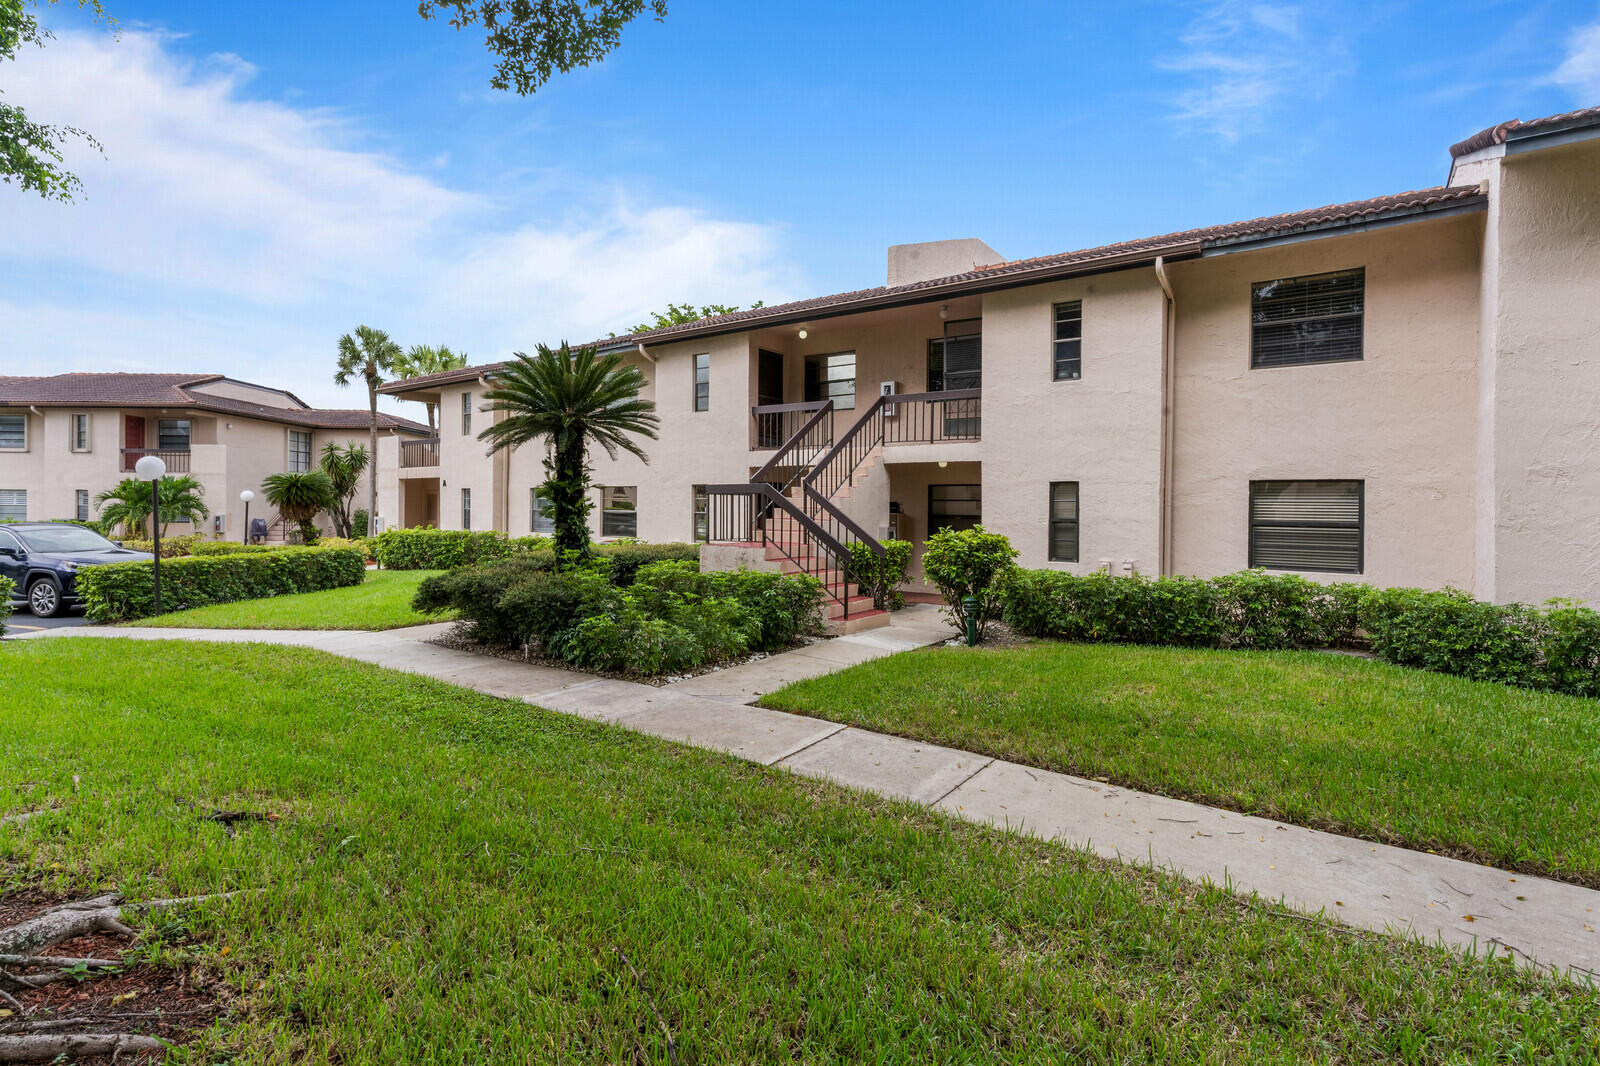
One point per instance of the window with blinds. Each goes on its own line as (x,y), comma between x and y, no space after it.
(702,382)
(955,361)
(1315,319)
(80,433)
(172,434)
(1307,525)
(1068,343)
(832,377)
(954,507)
(619,511)
(81,497)
(1064,521)
(466,414)
(466,508)
(14,504)
(13,432)
(299,451)
(541,519)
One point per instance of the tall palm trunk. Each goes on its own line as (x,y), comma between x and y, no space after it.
(372,470)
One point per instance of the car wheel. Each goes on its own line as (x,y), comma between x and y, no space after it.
(44,598)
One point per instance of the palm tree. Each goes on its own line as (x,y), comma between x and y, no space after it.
(298,498)
(344,467)
(423,359)
(369,354)
(128,504)
(569,399)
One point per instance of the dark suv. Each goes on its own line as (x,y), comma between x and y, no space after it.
(42,560)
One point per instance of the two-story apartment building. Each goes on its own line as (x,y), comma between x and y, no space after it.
(66,438)
(1401,390)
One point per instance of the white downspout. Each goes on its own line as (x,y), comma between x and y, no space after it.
(1169,344)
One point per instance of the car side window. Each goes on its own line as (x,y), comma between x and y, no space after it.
(9,541)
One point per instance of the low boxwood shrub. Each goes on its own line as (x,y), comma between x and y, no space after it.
(1556,647)
(880,576)
(7,586)
(171,547)
(669,617)
(127,590)
(426,548)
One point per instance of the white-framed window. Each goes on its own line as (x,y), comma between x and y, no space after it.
(82,513)
(13,433)
(1067,345)
(541,519)
(466,414)
(702,382)
(702,514)
(299,451)
(619,511)
(81,437)
(14,504)
(1064,521)
(466,508)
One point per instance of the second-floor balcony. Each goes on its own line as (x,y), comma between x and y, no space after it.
(177,459)
(419,454)
(908,418)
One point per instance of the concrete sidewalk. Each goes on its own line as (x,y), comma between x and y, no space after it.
(1371,885)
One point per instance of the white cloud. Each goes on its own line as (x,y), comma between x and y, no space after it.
(1580,72)
(221,232)
(1243,60)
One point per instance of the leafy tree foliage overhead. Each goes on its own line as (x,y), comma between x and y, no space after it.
(678,314)
(533,39)
(30,152)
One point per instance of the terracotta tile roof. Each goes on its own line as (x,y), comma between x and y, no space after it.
(1588,116)
(174,391)
(1021,271)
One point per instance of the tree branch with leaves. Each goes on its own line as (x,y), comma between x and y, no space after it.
(31,152)
(534,39)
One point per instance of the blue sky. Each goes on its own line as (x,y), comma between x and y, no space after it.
(275,174)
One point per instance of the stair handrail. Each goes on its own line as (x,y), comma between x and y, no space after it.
(839,588)
(823,410)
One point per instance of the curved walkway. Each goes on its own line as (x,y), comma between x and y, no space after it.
(1537,920)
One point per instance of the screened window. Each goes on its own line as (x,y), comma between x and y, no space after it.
(1064,521)
(299,451)
(466,414)
(1068,343)
(1315,319)
(954,507)
(832,377)
(1307,525)
(13,432)
(955,361)
(14,504)
(702,382)
(619,511)
(83,505)
(172,434)
(80,433)
(702,513)
(466,508)
(542,520)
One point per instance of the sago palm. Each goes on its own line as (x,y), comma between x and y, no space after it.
(422,359)
(569,400)
(298,498)
(368,354)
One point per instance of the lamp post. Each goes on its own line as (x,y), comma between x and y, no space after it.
(151,468)
(247,496)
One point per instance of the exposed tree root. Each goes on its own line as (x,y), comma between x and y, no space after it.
(47,1047)
(25,1039)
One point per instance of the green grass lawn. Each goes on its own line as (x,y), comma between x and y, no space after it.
(457,878)
(383,601)
(1502,775)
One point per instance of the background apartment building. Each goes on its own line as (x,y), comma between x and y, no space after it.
(1401,390)
(67,438)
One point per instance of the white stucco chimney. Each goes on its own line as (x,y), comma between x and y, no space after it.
(910,263)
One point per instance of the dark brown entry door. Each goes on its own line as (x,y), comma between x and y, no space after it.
(769,390)
(132,440)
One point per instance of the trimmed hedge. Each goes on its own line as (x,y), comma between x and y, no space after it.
(1556,647)
(666,617)
(6,587)
(446,549)
(127,590)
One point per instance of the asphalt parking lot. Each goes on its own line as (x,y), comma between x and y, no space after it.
(22,622)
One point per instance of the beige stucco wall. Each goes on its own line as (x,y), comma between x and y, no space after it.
(1102,430)
(1545,401)
(1403,418)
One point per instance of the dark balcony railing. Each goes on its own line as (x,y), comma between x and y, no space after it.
(774,424)
(177,459)
(414,453)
